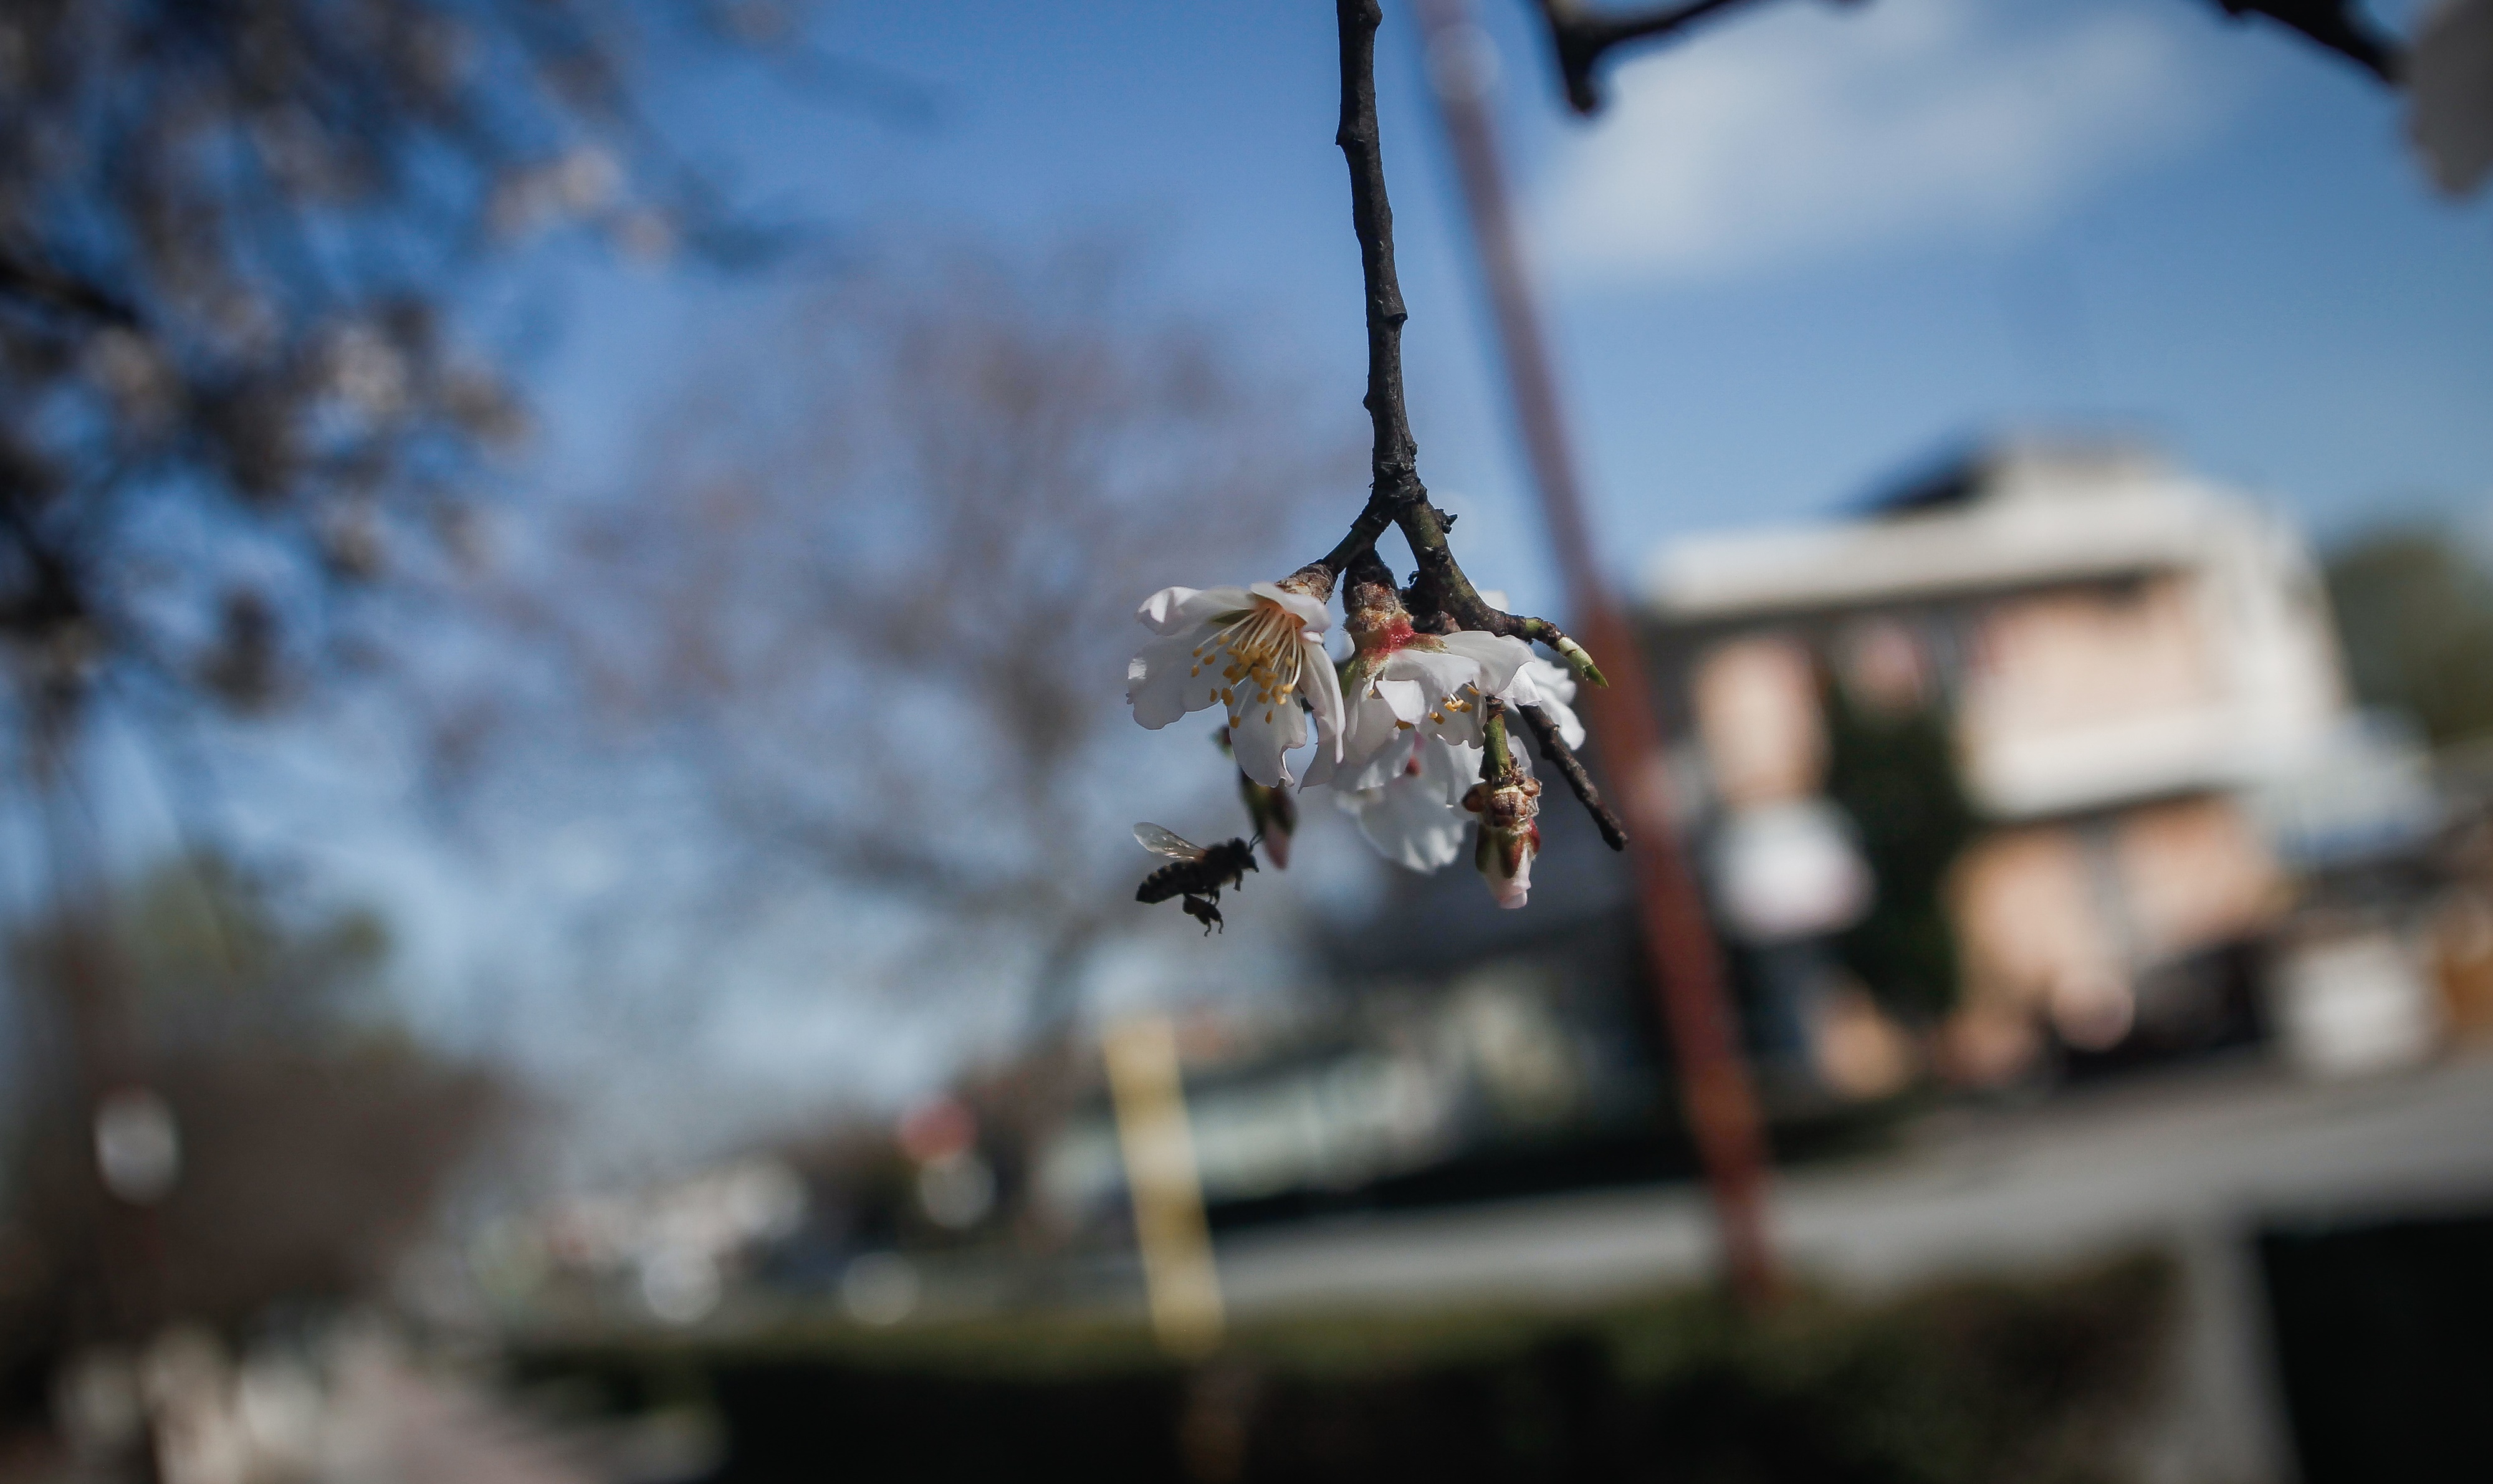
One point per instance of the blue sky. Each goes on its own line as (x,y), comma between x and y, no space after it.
(1809,247)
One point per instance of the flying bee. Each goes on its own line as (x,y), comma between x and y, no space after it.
(1197,873)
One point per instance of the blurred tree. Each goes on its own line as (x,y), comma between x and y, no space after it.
(235,388)
(2415,615)
(230,379)
(873,588)
(1893,768)
(312,1135)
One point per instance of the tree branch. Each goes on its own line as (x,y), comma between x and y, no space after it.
(23,278)
(1396,461)
(1396,496)
(1572,768)
(2335,25)
(1582,37)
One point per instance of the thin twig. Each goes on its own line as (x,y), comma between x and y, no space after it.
(1372,216)
(1582,37)
(1396,496)
(1572,768)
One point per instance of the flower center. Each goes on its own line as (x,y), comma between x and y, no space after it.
(1382,630)
(1258,653)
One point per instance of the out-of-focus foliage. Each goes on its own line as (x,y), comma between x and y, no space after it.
(228,374)
(315,1135)
(2044,1379)
(1895,774)
(2416,615)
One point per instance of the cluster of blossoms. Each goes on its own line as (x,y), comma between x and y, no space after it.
(1407,731)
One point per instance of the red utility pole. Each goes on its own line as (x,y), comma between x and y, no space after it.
(1680,951)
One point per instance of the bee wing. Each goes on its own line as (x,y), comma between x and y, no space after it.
(1166,842)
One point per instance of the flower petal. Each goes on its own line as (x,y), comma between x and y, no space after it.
(1448,768)
(1325,768)
(1160,683)
(1498,655)
(1438,672)
(1259,735)
(1378,745)
(1407,700)
(1446,677)
(1551,687)
(1309,611)
(1407,826)
(1512,891)
(1322,686)
(1381,765)
(1173,609)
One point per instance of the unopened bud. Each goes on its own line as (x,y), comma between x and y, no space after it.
(1580,662)
(1276,815)
(1510,833)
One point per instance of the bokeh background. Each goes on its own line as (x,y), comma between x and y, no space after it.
(564,567)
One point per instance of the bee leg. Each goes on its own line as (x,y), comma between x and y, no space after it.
(1203,911)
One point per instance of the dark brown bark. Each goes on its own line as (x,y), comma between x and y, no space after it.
(1396,496)
(1581,37)
(1570,767)
(1372,217)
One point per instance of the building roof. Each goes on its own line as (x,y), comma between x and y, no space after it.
(2011,517)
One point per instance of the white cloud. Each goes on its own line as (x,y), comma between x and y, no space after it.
(1809,131)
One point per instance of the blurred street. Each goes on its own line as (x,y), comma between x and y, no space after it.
(2200,1155)
(2193,1162)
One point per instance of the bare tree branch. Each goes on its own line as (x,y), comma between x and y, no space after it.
(23,278)
(852,606)
(1396,496)
(1570,767)
(1440,594)
(1581,37)
(2334,25)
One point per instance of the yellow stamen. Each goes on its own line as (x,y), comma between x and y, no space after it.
(1265,649)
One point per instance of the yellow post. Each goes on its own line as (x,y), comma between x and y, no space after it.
(1178,1274)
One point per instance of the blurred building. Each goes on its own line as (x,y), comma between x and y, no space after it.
(2041,765)
(2137,684)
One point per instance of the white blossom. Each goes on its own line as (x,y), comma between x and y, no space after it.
(1400,682)
(1413,818)
(1255,651)
(1547,685)
(1405,773)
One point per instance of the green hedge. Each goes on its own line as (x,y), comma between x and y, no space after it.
(2038,1380)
